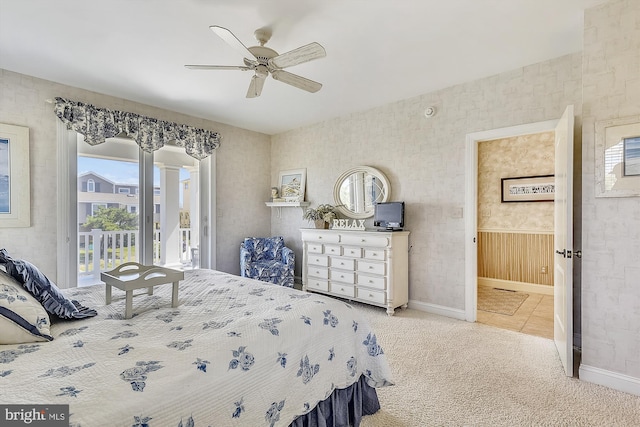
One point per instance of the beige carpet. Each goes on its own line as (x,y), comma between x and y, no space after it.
(454,373)
(500,300)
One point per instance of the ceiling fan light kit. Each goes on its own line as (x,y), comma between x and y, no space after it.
(264,61)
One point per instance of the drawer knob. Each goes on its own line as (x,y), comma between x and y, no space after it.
(342,289)
(371,267)
(370,295)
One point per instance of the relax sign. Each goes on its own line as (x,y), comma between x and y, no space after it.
(344,224)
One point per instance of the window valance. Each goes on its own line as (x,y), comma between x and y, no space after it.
(97,124)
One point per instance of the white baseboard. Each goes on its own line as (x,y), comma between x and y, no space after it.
(438,309)
(610,379)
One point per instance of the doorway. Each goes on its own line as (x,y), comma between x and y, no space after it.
(563,225)
(515,228)
(473,212)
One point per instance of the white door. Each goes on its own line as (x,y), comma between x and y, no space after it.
(563,241)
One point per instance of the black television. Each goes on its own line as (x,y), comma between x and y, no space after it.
(389,216)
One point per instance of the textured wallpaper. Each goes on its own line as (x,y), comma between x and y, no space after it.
(424,160)
(526,155)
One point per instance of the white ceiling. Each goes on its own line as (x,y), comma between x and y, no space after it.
(378,51)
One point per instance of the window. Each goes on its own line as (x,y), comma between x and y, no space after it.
(155,235)
(96,206)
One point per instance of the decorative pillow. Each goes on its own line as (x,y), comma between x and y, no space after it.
(43,289)
(22,318)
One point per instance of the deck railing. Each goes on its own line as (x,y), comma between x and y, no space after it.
(100,250)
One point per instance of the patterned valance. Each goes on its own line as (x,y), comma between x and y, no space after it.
(97,124)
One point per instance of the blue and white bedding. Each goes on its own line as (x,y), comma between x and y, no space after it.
(235,352)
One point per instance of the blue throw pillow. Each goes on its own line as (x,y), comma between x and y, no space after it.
(43,289)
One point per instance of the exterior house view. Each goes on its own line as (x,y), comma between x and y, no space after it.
(448,153)
(96,192)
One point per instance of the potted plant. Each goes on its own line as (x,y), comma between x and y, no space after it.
(321,216)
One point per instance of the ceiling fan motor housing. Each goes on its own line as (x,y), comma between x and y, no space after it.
(263,54)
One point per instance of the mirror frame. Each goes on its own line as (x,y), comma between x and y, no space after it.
(367,169)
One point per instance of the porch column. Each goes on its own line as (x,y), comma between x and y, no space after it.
(194,205)
(169,215)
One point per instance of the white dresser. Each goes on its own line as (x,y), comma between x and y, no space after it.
(366,266)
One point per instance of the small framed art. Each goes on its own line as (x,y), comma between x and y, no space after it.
(292,184)
(539,188)
(15,189)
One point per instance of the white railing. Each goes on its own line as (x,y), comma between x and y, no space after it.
(100,250)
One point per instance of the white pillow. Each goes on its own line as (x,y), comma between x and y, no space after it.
(22,317)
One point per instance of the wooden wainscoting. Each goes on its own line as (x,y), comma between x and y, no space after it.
(516,257)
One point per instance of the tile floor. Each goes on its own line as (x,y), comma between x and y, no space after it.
(534,317)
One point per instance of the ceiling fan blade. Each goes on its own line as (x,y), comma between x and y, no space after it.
(232,41)
(255,87)
(297,81)
(217,67)
(298,56)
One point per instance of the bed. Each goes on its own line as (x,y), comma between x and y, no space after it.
(235,352)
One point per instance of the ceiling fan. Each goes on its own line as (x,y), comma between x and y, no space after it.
(264,61)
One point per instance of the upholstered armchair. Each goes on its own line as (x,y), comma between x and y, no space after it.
(267,259)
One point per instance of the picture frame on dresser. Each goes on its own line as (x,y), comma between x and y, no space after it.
(292,184)
(15,188)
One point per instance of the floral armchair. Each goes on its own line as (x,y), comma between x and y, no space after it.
(267,259)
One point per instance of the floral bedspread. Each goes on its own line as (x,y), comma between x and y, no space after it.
(235,352)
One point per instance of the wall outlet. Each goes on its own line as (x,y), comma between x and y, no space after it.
(543,269)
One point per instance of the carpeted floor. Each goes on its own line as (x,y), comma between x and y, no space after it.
(500,301)
(449,372)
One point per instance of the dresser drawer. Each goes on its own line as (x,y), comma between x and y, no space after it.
(318,260)
(318,285)
(352,252)
(314,248)
(343,276)
(376,254)
(371,267)
(320,237)
(342,290)
(362,240)
(377,282)
(318,272)
(377,297)
(333,249)
(343,263)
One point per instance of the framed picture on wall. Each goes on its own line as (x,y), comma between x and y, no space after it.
(15,190)
(539,188)
(631,156)
(292,184)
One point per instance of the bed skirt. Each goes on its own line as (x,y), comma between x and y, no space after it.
(344,408)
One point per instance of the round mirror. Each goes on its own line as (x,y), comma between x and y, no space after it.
(358,189)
